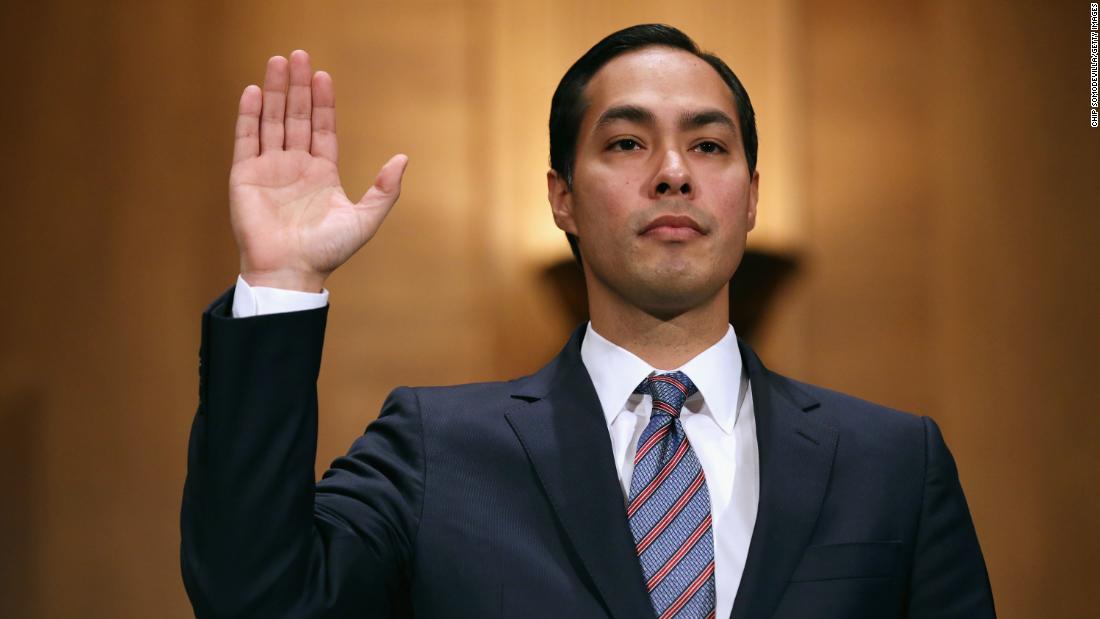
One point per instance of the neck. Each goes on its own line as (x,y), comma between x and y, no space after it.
(665,342)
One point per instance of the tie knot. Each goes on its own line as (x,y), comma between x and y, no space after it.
(668,391)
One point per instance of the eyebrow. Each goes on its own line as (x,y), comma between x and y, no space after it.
(701,118)
(642,116)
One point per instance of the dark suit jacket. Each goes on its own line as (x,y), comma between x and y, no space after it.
(501,499)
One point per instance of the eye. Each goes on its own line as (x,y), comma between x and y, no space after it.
(710,148)
(625,144)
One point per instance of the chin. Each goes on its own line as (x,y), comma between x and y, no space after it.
(680,273)
(661,298)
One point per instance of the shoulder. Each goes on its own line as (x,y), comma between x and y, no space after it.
(470,403)
(844,409)
(862,426)
(845,413)
(493,398)
(479,394)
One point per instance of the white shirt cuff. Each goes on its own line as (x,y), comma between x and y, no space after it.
(260,300)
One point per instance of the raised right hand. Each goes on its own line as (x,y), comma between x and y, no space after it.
(292,220)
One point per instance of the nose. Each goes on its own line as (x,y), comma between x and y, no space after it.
(673,177)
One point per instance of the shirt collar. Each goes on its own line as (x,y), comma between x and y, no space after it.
(716,371)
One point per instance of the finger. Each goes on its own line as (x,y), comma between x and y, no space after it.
(387,186)
(298,102)
(271,119)
(247,141)
(323,142)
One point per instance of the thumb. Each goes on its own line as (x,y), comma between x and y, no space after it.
(387,185)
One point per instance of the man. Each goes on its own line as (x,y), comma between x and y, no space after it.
(654,468)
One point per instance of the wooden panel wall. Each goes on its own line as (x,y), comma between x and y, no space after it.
(951,192)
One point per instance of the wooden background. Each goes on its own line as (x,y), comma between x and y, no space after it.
(928,164)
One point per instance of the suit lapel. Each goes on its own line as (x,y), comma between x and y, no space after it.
(566,439)
(796,457)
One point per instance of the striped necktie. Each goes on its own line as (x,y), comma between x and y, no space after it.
(669,507)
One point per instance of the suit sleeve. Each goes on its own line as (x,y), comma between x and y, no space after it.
(259,537)
(949,577)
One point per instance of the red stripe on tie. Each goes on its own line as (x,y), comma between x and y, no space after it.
(673,511)
(653,485)
(711,615)
(675,559)
(653,440)
(667,408)
(672,381)
(688,593)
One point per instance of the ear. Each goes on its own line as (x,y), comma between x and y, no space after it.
(754,193)
(561,201)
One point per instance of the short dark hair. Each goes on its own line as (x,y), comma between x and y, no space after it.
(568,104)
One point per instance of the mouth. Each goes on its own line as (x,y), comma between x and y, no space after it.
(673,228)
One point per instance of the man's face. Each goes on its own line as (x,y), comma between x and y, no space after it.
(662,199)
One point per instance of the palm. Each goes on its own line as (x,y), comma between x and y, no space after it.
(290,208)
(290,215)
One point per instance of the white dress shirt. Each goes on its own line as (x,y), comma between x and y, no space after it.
(251,301)
(719,422)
